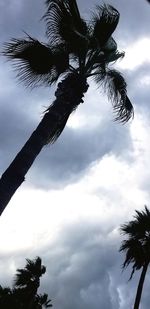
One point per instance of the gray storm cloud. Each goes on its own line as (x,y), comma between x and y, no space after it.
(83,263)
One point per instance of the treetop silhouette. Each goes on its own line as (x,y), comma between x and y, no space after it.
(76,50)
(24,294)
(137,247)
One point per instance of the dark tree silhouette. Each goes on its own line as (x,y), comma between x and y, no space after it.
(24,294)
(75,51)
(137,247)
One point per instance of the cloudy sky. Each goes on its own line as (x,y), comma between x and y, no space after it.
(82,188)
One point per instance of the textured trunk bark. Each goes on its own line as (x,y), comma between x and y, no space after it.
(140,287)
(68,96)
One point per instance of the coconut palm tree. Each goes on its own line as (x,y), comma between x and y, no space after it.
(137,247)
(76,50)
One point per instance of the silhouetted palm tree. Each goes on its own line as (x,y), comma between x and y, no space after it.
(27,280)
(137,247)
(24,294)
(75,51)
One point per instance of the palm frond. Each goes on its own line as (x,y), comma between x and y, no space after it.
(139,227)
(104,23)
(35,62)
(101,58)
(134,254)
(30,51)
(44,301)
(115,86)
(144,214)
(35,266)
(128,229)
(110,51)
(64,24)
(22,278)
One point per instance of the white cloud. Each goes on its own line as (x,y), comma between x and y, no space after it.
(111,186)
(136,54)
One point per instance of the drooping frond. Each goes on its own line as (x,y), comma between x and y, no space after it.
(35,62)
(110,51)
(104,23)
(64,24)
(115,86)
(135,254)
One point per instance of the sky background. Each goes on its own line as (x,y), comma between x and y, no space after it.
(81,189)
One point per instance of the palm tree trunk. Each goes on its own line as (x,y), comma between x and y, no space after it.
(68,96)
(140,287)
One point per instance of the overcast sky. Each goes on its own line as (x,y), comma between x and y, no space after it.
(81,189)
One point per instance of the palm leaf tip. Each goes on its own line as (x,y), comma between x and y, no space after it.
(123,109)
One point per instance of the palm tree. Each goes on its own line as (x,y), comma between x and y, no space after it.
(27,280)
(24,294)
(137,247)
(76,50)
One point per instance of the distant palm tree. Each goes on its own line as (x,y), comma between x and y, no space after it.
(137,247)
(75,51)
(31,273)
(27,280)
(24,294)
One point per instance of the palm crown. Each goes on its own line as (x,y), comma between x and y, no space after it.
(137,244)
(30,274)
(24,293)
(137,247)
(74,47)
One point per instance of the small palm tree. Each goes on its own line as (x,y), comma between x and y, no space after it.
(27,282)
(137,247)
(28,278)
(76,50)
(24,294)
